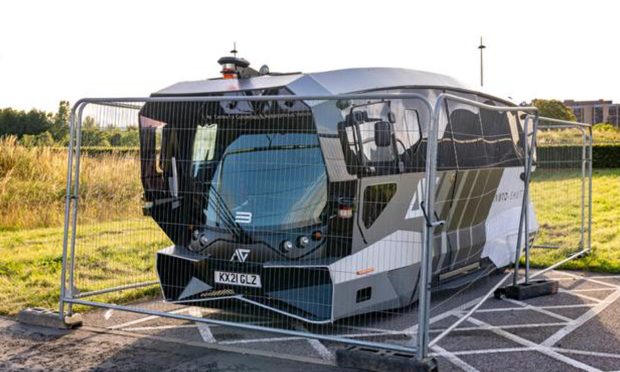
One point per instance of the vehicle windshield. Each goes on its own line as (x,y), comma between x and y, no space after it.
(269,180)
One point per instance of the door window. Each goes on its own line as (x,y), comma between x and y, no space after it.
(376,198)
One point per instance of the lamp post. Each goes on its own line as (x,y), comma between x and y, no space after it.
(481,47)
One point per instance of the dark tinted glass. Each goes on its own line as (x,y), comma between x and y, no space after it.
(271,180)
(376,198)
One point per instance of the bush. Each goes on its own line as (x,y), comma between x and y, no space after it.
(568,156)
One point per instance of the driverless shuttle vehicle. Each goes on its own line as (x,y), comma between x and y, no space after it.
(312,208)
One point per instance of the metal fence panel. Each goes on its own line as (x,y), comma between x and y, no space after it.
(325,217)
(266,213)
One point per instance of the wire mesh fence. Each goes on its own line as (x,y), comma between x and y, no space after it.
(562,192)
(252,212)
(304,216)
(555,210)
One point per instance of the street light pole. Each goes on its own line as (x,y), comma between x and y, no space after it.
(481,47)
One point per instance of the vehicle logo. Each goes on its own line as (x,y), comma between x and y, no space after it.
(415,208)
(240,255)
(243,217)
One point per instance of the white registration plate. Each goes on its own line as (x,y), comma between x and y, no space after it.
(242,279)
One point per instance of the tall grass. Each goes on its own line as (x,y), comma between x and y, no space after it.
(115,244)
(601,134)
(33,180)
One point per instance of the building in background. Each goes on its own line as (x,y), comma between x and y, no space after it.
(594,112)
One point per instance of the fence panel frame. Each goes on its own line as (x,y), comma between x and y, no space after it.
(68,293)
(70,296)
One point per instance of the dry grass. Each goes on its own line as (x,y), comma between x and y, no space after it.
(601,134)
(33,186)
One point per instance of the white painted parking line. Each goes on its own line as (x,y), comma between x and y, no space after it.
(586,290)
(553,339)
(146,319)
(260,340)
(538,309)
(206,334)
(590,279)
(323,352)
(585,297)
(500,309)
(506,327)
(454,359)
(541,349)
(158,328)
(586,352)
(376,330)
(453,312)
(108,314)
(203,329)
(293,338)
(491,351)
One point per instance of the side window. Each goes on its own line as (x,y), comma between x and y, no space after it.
(468,137)
(366,117)
(156,143)
(367,137)
(412,131)
(376,198)
(204,146)
(446,143)
(501,135)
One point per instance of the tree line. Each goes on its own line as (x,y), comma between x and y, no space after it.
(41,128)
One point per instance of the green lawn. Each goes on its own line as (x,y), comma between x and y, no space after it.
(108,254)
(556,197)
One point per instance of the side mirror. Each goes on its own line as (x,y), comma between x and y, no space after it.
(383,133)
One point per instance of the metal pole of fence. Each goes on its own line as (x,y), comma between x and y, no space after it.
(515,278)
(583,186)
(526,189)
(525,209)
(65,238)
(591,160)
(424,299)
(76,187)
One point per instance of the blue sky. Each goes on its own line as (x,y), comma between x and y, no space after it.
(53,50)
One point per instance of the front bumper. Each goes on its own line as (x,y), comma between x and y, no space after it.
(302,291)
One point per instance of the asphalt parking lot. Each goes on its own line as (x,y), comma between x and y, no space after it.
(577,329)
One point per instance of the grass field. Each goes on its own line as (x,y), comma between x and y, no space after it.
(116,246)
(33,186)
(108,254)
(556,197)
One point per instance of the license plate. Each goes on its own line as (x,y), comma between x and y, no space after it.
(241,279)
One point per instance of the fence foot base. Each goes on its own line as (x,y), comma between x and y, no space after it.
(48,318)
(524,291)
(382,360)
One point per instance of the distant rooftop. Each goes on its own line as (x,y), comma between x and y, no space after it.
(570,102)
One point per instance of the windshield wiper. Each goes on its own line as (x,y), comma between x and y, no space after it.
(270,148)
